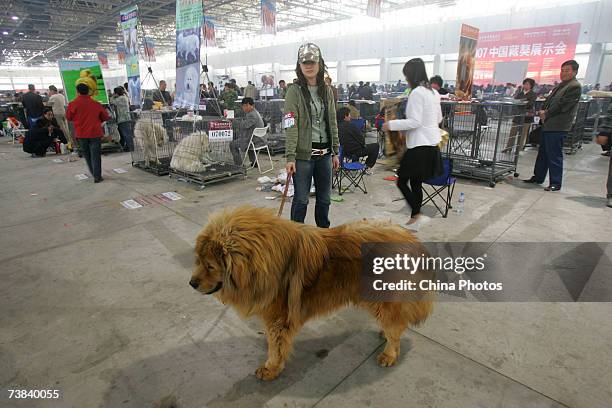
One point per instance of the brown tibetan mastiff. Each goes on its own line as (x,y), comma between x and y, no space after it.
(288,273)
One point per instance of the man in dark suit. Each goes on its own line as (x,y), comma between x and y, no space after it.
(33,105)
(557,117)
(353,142)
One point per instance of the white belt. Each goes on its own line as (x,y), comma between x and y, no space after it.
(319,152)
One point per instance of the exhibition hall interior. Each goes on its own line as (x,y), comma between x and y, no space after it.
(305,203)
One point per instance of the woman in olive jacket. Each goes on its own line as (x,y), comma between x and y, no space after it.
(311,135)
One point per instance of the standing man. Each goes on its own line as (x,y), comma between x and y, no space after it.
(161,95)
(251,120)
(33,105)
(557,116)
(604,138)
(229,97)
(328,82)
(57,101)
(250,90)
(282,89)
(88,116)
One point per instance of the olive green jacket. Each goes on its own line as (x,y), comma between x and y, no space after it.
(561,106)
(298,143)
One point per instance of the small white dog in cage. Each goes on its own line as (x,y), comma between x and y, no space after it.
(192,154)
(151,137)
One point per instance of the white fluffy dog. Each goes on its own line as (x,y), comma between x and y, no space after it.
(151,137)
(188,45)
(191,84)
(191,154)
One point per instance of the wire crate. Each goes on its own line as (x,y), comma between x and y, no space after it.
(111,140)
(153,144)
(574,138)
(202,153)
(484,138)
(271,112)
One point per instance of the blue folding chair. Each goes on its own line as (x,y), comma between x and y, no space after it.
(438,186)
(352,171)
(360,123)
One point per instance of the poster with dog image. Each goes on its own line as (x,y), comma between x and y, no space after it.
(129,24)
(189,18)
(74,72)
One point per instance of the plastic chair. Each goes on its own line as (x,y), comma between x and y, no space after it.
(351,171)
(261,133)
(442,187)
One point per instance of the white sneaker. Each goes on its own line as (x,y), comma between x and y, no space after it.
(369,172)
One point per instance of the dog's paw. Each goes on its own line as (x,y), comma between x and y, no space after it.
(266,374)
(385,360)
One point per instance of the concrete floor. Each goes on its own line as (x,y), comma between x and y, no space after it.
(95,302)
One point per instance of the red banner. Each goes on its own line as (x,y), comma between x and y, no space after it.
(546,48)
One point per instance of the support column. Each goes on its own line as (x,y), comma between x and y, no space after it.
(342,74)
(384,70)
(594,66)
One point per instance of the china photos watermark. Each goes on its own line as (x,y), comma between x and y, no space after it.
(487,271)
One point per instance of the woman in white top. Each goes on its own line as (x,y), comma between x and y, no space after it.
(422,159)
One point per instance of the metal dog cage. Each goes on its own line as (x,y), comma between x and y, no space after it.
(206,146)
(484,138)
(271,112)
(153,143)
(573,140)
(111,140)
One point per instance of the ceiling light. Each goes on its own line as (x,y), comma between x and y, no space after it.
(20,33)
(15,18)
(5,32)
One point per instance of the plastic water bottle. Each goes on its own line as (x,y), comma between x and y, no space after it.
(460,203)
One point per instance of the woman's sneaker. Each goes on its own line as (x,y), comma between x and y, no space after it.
(369,171)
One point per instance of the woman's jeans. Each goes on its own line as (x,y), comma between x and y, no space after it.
(319,168)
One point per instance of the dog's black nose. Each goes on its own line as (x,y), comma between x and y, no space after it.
(194,283)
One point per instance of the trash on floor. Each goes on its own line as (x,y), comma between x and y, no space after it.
(130,204)
(81,176)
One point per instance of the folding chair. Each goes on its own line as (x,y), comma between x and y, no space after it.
(261,133)
(351,170)
(438,185)
(360,123)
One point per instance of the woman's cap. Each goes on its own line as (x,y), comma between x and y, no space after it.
(309,52)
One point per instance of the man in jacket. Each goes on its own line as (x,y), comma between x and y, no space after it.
(353,142)
(250,91)
(605,139)
(33,105)
(88,116)
(251,120)
(557,117)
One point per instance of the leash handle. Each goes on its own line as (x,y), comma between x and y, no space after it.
(282,204)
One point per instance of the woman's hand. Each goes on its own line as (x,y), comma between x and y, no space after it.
(335,162)
(290,167)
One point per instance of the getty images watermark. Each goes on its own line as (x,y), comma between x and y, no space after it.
(544,272)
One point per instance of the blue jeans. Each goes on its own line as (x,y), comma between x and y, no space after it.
(319,167)
(550,158)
